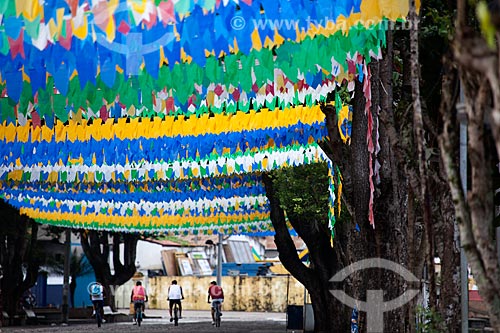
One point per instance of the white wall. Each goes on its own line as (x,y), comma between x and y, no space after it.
(148,255)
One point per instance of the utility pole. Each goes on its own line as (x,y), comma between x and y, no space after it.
(219,260)
(1,299)
(65,293)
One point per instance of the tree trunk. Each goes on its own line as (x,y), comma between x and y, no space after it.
(478,67)
(381,154)
(18,249)
(72,288)
(327,316)
(351,245)
(399,124)
(96,247)
(421,153)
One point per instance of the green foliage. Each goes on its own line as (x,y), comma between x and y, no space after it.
(174,239)
(429,321)
(344,93)
(437,22)
(303,191)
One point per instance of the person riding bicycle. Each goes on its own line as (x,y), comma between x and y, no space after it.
(97,297)
(217,294)
(138,297)
(174,296)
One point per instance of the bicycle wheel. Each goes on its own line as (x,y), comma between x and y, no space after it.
(176,315)
(139,316)
(217,317)
(98,316)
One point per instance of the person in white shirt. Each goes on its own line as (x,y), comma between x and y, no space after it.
(96,291)
(174,296)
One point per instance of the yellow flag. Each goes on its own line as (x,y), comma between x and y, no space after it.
(47,134)
(22,133)
(256,42)
(10,133)
(111,29)
(80,31)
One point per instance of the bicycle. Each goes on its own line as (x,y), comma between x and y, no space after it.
(98,312)
(176,314)
(218,313)
(138,312)
(96,292)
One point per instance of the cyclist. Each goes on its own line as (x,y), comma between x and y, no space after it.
(174,296)
(217,294)
(138,297)
(97,298)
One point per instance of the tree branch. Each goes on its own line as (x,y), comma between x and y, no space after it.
(126,271)
(338,152)
(419,138)
(118,266)
(286,248)
(481,195)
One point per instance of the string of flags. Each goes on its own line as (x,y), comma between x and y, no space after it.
(150,115)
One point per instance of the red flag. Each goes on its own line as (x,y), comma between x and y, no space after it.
(66,42)
(170,104)
(124,28)
(16,45)
(35,118)
(73,6)
(236,95)
(218,90)
(151,20)
(167,12)
(103,113)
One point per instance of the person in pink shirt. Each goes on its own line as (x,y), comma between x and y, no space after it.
(138,297)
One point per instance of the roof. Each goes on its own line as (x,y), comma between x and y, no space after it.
(474,296)
(269,243)
(279,269)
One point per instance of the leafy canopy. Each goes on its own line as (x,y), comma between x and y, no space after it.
(303,191)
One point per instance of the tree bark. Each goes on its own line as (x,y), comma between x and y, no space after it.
(18,248)
(421,153)
(479,72)
(386,240)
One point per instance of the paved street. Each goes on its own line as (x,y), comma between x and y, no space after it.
(158,321)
